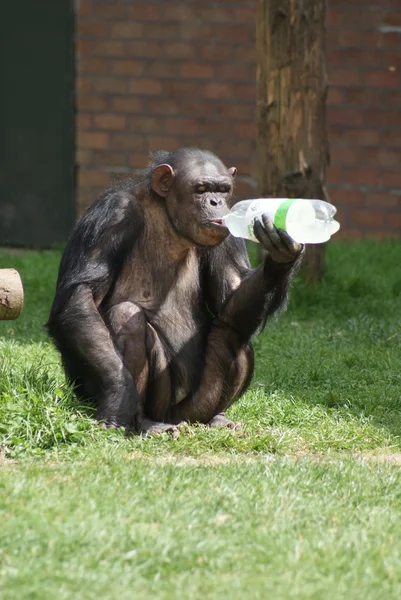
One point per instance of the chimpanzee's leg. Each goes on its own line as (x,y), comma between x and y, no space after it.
(144,357)
(239,380)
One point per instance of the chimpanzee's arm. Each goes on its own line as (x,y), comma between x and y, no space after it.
(242,297)
(91,262)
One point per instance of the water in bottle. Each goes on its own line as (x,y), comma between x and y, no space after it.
(306,221)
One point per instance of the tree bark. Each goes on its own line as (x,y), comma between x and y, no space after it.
(11,294)
(291,106)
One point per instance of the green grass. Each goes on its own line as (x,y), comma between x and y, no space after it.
(297,505)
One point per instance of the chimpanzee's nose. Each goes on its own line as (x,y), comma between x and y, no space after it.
(215,202)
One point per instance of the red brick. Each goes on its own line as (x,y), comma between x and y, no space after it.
(109,158)
(83,8)
(382,78)
(383,157)
(246,14)
(216,51)
(126,30)
(145,87)
(381,235)
(362,137)
(163,106)
(394,220)
(393,19)
(345,77)
(354,18)
(245,53)
(346,197)
(343,38)
(391,137)
(233,153)
(346,116)
(210,128)
(196,70)
(182,89)
(346,233)
(130,141)
(218,14)
(390,40)
(364,177)
(161,68)
(353,57)
(109,10)
(382,200)
(92,66)
(92,102)
(216,90)
(145,124)
(92,140)
(83,156)
(83,47)
(174,31)
(145,12)
(235,72)
(335,175)
(181,126)
(246,129)
(92,28)
(236,33)
(108,48)
(91,177)
(364,97)
(392,180)
(383,118)
(83,121)
(156,142)
(179,49)
(86,196)
(345,155)
(109,85)
(180,12)
(143,49)
(109,121)
(127,104)
(83,85)
(335,96)
(367,218)
(126,67)
(245,92)
(139,160)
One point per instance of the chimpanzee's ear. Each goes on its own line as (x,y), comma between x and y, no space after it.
(162,177)
(233,171)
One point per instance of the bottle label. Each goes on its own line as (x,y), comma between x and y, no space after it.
(276,208)
(281,213)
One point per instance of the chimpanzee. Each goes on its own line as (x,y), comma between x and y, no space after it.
(156,303)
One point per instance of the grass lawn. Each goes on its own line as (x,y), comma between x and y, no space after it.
(305,502)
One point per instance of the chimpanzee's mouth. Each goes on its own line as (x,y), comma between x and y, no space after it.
(217,221)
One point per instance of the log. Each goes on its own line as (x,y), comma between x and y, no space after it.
(293,146)
(11,294)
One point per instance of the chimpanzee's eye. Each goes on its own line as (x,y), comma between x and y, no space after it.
(200,189)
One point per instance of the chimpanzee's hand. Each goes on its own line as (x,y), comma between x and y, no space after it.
(280,246)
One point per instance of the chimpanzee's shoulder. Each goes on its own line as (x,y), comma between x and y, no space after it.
(115,205)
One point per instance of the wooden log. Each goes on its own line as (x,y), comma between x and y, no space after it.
(11,294)
(291,106)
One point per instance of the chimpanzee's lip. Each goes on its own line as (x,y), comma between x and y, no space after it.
(216,221)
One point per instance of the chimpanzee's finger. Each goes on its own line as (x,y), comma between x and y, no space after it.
(262,236)
(271,230)
(292,245)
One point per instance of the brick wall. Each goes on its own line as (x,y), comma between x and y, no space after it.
(165,74)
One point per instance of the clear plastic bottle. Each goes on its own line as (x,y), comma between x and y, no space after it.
(306,221)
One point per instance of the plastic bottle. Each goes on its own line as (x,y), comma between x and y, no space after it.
(306,221)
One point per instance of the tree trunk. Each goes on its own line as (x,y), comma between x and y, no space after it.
(11,294)
(291,106)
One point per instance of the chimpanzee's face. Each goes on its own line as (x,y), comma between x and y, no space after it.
(199,196)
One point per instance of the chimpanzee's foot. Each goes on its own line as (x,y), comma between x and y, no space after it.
(156,428)
(221,420)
